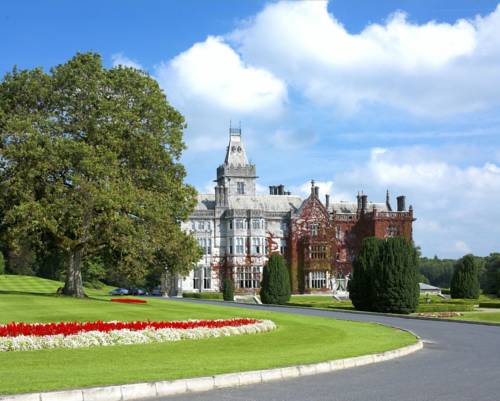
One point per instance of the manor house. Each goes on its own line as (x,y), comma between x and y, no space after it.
(238,229)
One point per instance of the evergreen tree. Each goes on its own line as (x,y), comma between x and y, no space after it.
(228,289)
(2,264)
(360,284)
(395,277)
(465,280)
(492,280)
(90,164)
(275,285)
(385,276)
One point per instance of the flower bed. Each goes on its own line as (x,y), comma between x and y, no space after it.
(129,300)
(34,336)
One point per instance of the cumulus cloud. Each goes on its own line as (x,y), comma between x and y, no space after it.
(120,59)
(454,205)
(210,84)
(211,72)
(430,69)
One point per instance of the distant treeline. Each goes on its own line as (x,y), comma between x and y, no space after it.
(438,272)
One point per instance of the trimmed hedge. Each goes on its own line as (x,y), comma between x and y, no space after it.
(228,289)
(445,307)
(489,304)
(465,280)
(385,276)
(202,295)
(275,287)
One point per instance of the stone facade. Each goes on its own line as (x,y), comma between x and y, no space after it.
(238,229)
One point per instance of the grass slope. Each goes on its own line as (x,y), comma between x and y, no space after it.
(297,340)
(14,284)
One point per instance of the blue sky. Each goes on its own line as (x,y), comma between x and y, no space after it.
(359,95)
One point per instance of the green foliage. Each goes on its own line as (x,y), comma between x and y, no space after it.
(492,275)
(90,166)
(438,271)
(275,286)
(385,276)
(444,307)
(491,304)
(360,284)
(2,264)
(228,289)
(465,280)
(202,295)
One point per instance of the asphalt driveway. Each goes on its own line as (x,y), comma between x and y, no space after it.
(459,362)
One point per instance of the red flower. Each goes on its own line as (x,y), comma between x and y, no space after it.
(129,300)
(67,328)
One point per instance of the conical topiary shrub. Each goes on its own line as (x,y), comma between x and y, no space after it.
(228,289)
(465,279)
(275,285)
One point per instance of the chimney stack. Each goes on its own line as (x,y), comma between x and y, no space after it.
(281,189)
(327,201)
(364,202)
(316,192)
(401,203)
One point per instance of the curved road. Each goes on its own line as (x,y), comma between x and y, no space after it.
(459,362)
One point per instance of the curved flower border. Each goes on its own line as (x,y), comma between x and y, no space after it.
(127,336)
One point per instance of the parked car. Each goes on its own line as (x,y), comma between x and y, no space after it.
(119,291)
(137,291)
(156,291)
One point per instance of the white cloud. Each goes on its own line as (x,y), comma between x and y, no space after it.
(431,69)
(454,205)
(120,59)
(211,72)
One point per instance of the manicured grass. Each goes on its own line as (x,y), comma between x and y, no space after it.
(35,285)
(484,316)
(298,340)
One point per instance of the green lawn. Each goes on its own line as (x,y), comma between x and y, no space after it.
(483,316)
(297,340)
(13,284)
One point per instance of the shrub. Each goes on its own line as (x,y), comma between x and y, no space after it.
(489,305)
(465,280)
(202,295)
(360,285)
(275,286)
(2,264)
(385,276)
(228,289)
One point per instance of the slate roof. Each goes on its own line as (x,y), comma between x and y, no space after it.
(352,207)
(267,203)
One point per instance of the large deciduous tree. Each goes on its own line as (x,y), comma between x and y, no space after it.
(90,163)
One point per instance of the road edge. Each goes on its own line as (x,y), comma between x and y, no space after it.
(151,390)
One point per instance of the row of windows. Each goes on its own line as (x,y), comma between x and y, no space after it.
(206,245)
(247,277)
(243,224)
(201,225)
(250,276)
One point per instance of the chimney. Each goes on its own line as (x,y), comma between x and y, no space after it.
(401,203)
(364,202)
(316,192)
(281,189)
(271,190)
(312,187)
(388,201)
(358,197)
(327,201)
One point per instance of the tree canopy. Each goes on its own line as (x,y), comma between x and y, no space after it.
(465,280)
(89,164)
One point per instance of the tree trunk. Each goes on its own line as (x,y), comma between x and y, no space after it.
(74,283)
